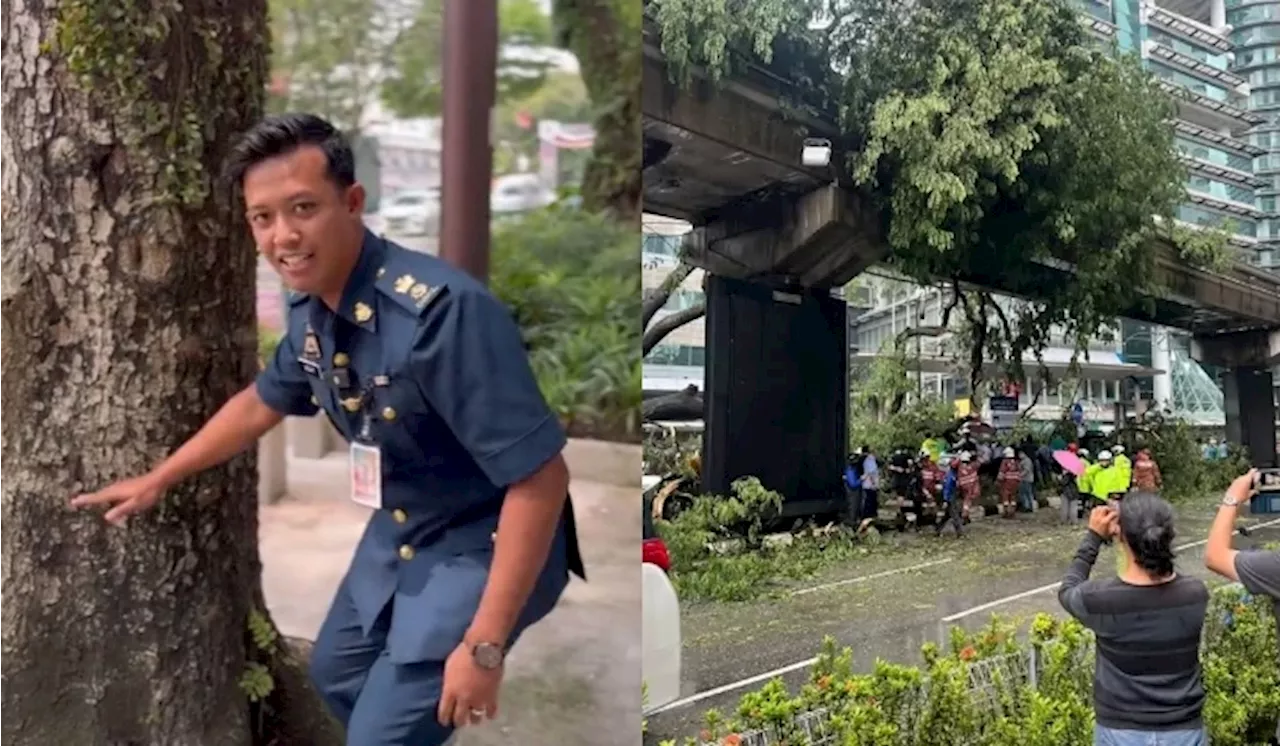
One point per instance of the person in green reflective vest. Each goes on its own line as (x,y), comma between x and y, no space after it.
(1084,481)
(1108,479)
(1108,483)
(1123,464)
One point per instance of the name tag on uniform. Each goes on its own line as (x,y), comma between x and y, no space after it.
(366,475)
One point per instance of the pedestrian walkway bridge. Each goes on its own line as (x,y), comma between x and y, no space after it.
(727,159)
(775,236)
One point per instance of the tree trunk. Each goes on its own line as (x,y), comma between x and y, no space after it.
(605,37)
(128,315)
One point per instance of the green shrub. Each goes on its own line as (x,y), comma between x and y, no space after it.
(935,704)
(573,282)
(268,340)
(1173,446)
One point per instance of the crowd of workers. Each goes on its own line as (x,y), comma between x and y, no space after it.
(943,481)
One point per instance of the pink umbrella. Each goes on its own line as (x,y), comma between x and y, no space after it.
(1069,461)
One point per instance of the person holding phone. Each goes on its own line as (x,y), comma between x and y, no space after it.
(1147,684)
(1258,571)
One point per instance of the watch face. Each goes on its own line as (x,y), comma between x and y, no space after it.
(487,655)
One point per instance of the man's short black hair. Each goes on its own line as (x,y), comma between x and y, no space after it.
(284,133)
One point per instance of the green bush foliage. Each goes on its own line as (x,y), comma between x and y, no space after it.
(573,282)
(936,704)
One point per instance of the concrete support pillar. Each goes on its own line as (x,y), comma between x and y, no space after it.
(1162,359)
(1248,395)
(1251,412)
(1217,13)
(777,393)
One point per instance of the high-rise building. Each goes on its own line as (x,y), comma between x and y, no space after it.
(1255,37)
(1187,45)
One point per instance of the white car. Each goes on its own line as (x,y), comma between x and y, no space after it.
(515,193)
(660,622)
(411,213)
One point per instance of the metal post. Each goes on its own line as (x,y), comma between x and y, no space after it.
(470,72)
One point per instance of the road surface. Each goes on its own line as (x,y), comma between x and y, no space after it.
(888,605)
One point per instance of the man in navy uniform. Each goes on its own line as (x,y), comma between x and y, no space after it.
(424,372)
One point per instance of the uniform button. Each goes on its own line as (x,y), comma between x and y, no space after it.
(352,404)
(388,414)
(399,515)
(406,552)
(314,400)
(341,360)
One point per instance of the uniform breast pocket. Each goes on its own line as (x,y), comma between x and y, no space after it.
(407,425)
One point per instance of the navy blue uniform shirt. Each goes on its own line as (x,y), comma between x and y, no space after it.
(421,360)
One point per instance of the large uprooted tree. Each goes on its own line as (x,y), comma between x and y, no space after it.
(990,133)
(128,313)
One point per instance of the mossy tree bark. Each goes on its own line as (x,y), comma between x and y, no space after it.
(605,37)
(128,316)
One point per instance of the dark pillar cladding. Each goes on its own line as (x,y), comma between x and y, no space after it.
(776,393)
(1251,412)
(470,83)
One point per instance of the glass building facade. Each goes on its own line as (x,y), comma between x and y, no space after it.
(1212,69)
(1255,37)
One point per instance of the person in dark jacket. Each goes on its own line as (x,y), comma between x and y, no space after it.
(952,499)
(853,488)
(1147,686)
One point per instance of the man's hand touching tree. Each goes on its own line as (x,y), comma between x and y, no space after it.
(125,498)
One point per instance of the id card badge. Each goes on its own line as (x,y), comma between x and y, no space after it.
(366,475)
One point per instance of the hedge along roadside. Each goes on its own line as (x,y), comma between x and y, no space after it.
(573,282)
(973,692)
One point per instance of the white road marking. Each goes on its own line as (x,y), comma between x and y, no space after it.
(677,704)
(873,576)
(921,566)
(766,676)
(1053,586)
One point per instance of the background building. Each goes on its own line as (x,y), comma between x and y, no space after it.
(681,358)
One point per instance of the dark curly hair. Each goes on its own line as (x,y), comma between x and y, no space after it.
(1146,525)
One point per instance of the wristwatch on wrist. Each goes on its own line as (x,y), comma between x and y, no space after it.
(1229,502)
(487,655)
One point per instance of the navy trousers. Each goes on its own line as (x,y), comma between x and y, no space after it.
(378,702)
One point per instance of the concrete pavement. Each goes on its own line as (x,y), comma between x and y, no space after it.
(574,679)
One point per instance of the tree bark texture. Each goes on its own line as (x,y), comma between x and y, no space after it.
(605,37)
(128,319)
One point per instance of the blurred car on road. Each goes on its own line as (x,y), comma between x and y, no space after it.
(411,213)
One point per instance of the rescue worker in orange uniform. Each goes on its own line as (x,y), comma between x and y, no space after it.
(1008,478)
(931,475)
(1146,473)
(970,488)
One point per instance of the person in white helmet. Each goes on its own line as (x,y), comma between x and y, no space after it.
(1008,479)
(1123,464)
